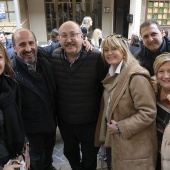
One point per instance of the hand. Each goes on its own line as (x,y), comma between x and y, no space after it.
(112,128)
(11,167)
(87,45)
(27,157)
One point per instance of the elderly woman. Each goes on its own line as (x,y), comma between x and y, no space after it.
(128,111)
(162,71)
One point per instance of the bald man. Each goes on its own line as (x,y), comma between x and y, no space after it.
(34,74)
(78,75)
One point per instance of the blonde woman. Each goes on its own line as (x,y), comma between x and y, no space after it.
(86,24)
(128,111)
(97,38)
(162,71)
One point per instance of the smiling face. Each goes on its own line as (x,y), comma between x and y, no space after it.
(152,37)
(25,45)
(71,38)
(163,75)
(113,55)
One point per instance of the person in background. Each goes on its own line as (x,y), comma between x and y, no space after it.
(7,44)
(55,37)
(33,71)
(97,38)
(154,44)
(134,45)
(86,24)
(11,125)
(127,120)
(78,75)
(162,72)
(165,33)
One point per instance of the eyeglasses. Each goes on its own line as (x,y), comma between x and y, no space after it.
(71,36)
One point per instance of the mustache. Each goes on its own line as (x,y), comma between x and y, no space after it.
(28,52)
(69,43)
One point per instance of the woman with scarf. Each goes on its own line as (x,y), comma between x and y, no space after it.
(162,72)
(11,127)
(128,110)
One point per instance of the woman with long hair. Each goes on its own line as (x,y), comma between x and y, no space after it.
(86,24)
(11,127)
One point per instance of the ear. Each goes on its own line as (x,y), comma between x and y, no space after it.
(14,48)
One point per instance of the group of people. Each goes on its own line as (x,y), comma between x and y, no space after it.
(95,98)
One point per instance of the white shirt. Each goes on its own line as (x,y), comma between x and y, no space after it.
(112,70)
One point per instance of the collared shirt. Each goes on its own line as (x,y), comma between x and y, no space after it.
(71,62)
(29,66)
(112,70)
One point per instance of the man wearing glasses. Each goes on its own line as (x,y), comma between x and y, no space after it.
(78,75)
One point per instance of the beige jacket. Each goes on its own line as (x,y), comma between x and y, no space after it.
(133,106)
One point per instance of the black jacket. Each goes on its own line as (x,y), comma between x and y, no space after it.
(79,87)
(37,95)
(146,58)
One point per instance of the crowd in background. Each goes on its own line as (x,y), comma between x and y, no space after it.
(99,91)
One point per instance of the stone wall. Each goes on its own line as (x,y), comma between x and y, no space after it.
(143,11)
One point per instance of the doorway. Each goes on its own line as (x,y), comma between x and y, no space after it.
(59,11)
(121,24)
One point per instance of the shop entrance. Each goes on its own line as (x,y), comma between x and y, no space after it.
(59,11)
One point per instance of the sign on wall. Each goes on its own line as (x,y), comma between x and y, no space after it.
(2,11)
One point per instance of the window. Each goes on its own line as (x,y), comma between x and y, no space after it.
(160,11)
(9,11)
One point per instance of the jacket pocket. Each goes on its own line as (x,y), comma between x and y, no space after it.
(136,147)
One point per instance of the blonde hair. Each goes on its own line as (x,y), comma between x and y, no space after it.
(161,59)
(117,41)
(86,22)
(95,37)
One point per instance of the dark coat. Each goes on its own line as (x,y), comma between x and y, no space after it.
(37,94)
(134,49)
(146,58)
(79,87)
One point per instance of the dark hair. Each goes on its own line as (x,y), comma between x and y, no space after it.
(54,32)
(13,36)
(166,33)
(148,23)
(135,41)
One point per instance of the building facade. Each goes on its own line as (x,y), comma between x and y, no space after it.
(111,16)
